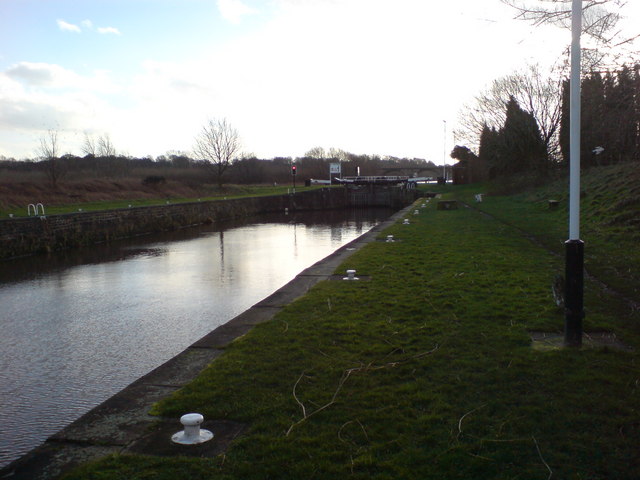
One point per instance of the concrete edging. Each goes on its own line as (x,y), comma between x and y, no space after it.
(121,424)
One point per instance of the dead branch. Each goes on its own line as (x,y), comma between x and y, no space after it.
(541,458)
(424,354)
(344,378)
(349,422)
(464,416)
(304,410)
(345,375)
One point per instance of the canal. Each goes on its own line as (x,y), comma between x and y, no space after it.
(79,326)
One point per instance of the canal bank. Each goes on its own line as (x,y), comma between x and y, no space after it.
(122,423)
(47,233)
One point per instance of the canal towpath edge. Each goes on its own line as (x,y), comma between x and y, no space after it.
(122,424)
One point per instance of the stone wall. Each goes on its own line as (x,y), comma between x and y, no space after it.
(24,236)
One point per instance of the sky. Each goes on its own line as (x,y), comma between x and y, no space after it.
(385,77)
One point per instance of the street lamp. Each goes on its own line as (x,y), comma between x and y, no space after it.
(574,247)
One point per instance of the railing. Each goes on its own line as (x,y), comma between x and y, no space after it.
(36,209)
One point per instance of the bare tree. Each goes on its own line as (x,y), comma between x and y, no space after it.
(217,144)
(105,146)
(49,152)
(601,22)
(338,153)
(89,145)
(316,152)
(538,94)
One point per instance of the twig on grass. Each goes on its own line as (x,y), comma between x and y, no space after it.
(345,375)
(304,410)
(322,353)
(348,423)
(463,417)
(344,378)
(424,354)
(541,458)
(481,457)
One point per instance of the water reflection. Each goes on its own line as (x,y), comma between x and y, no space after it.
(79,326)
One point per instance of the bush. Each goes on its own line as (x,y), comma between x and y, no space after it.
(154,180)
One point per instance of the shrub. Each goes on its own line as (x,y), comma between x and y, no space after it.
(154,180)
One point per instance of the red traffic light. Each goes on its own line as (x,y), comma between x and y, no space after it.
(293,170)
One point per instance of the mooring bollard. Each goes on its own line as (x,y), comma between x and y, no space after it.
(192,433)
(351,275)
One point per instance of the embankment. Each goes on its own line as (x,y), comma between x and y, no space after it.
(25,236)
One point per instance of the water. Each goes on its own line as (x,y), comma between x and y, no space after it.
(79,326)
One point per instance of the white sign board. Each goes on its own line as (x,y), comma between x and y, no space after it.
(334,169)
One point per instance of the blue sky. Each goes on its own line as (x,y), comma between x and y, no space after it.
(367,76)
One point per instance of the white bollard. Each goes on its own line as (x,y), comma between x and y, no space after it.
(351,275)
(390,239)
(192,434)
(406,221)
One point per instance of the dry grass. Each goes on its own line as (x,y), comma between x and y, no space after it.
(19,190)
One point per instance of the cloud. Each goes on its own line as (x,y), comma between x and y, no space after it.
(33,75)
(68,27)
(88,25)
(109,30)
(39,74)
(40,95)
(234,10)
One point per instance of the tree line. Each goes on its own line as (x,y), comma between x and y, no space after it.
(521,123)
(610,128)
(244,169)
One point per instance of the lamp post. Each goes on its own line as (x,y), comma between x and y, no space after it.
(574,247)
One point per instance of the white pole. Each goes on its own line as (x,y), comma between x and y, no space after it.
(574,119)
(574,266)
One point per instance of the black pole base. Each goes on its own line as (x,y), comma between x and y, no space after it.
(574,293)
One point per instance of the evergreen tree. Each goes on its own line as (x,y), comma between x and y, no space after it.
(610,118)
(521,147)
(622,116)
(592,121)
(489,150)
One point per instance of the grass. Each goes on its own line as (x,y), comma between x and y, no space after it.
(424,372)
(610,220)
(110,200)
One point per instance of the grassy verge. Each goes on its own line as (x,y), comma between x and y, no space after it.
(231,191)
(424,372)
(610,220)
